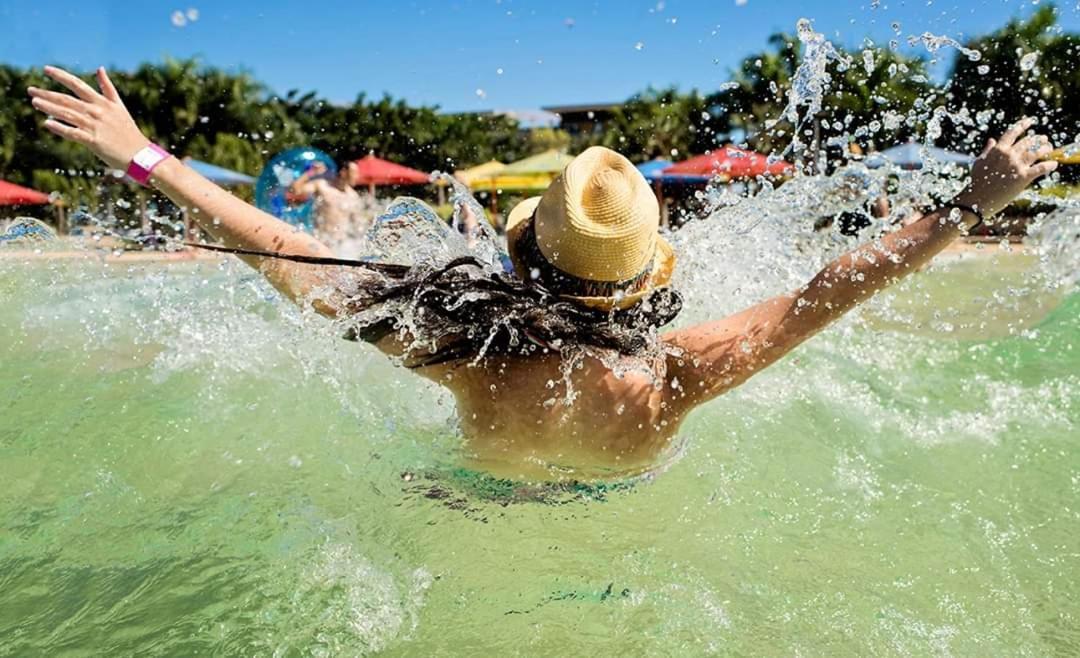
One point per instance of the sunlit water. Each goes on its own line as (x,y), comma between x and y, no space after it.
(191,465)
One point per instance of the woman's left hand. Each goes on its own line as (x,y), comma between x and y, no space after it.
(99,121)
(1006,168)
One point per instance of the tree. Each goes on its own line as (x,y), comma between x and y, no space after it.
(871,97)
(234,121)
(543,139)
(1027,68)
(659,124)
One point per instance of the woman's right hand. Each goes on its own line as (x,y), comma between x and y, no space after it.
(97,120)
(316,169)
(1006,168)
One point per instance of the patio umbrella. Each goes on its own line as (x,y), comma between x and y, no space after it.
(653,171)
(372,171)
(914,155)
(487,170)
(16,195)
(550,163)
(730,162)
(220,175)
(531,174)
(533,183)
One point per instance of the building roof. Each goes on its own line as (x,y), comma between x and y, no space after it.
(581,107)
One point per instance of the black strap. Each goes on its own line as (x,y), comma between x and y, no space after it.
(389,268)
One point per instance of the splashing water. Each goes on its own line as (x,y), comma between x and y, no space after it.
(243,475)
(811,80)
(1028,61)
(194,465)
(26,230)
(933,43)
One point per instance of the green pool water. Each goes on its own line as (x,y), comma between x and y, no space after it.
(189,467)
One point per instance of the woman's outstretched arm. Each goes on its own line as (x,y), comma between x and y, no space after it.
(100,121)
(721,355)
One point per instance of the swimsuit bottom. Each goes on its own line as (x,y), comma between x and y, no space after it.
(459,487)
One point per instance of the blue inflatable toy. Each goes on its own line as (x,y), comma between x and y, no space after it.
(272,188)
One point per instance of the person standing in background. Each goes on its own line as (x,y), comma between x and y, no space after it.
(339,210)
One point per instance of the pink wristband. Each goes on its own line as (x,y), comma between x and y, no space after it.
(143,163)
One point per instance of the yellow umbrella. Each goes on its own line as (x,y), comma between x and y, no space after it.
(486,170)
(532,174)
(550,162)
(533,183)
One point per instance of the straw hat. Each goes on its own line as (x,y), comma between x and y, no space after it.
(598,222)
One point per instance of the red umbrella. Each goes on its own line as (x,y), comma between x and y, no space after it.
(732,162)
(373,171)
(15,195)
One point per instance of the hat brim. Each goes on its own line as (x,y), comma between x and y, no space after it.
(662,269)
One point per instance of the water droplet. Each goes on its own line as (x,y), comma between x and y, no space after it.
(178,19)
(640,45)
(192,14)
(1028,61)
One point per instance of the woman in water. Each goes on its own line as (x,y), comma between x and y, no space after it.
(591,276)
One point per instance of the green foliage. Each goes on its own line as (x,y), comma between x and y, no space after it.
(659,124)
(543,139)
(421,137)
(998,85)
(876,97)
(232,120)
(873,84)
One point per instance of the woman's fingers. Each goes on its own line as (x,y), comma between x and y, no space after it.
(990,144)
(1044,151)
(67,114)
(1034,148)
(60,99)
(76,85)
(67,132)
(1014,131)
(107,88)
(1042,169)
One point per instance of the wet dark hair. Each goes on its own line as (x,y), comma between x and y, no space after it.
(469,311)
(466,309)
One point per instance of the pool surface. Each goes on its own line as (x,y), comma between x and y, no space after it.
(192,467)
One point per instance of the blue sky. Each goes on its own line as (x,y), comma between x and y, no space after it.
(520,53)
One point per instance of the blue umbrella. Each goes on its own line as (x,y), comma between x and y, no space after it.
(913,155)
(653,171)
(219,175)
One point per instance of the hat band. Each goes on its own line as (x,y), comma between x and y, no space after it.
(561,282)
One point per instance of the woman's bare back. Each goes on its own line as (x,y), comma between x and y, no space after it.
(534,418)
